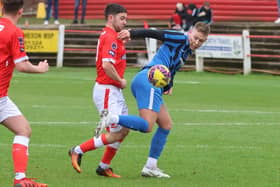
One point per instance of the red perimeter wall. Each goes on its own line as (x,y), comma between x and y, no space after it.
(223,10)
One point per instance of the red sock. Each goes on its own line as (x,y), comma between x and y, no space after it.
(87,145)
(91,144)
(20,157)
(108,155)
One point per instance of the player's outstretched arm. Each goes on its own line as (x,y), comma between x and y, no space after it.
(27,67)
(163,35)
(141,33)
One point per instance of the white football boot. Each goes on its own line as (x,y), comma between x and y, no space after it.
(103,123)
(153,172)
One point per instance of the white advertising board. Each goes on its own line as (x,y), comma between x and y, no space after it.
(220,46)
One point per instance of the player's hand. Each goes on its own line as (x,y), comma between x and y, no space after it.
(43,66)
(124,35)
(168,92)
(125,40)
(123,83)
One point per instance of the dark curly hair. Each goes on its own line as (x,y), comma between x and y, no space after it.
(113,9)
(12,6)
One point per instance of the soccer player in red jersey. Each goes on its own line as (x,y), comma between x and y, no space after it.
(13,56)
(107,92)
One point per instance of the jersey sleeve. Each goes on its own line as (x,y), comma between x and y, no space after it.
(174,37)
(149,33)
(109,50)
(17,47)
(163,35)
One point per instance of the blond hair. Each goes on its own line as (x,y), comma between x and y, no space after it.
(202,27)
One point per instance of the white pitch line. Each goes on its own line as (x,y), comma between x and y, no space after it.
(93,123)
(225,111)
(173,110)
(147,146)
(60,106)
(64,123)
(206,146)
(186,82)
(60,80)
(55,78)
(40,145)
(230,123)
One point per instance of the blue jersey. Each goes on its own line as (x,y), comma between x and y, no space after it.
(173,53)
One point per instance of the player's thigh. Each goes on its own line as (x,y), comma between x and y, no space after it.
(117,106)
(12,118)
(122,104)
(111,98)
(98,97)
(18,125)
(164,119)
(106,97)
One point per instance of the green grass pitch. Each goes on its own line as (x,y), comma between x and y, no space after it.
(226,131)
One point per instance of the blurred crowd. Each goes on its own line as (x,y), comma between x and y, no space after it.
(185,16)
(52,10)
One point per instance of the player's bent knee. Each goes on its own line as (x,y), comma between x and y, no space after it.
(121,134)
(150,128)
(124,133)
(25,132)
(167,126)
(28,131)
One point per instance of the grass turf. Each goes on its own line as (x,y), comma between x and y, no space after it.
(225,133)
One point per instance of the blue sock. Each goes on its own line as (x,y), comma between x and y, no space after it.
(158,142)
(133,122)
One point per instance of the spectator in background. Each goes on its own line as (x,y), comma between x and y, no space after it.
(180,10)
(175,22)
(49,10)
(205,13)
(177,19)
(278,20)
(191,16)
(76,10)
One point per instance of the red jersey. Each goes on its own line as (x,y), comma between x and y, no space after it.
(111,49)
(11,52)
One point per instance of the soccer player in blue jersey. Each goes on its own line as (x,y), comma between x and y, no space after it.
(173,53)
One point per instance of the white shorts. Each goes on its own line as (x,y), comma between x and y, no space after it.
(111,98)
(8,109)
